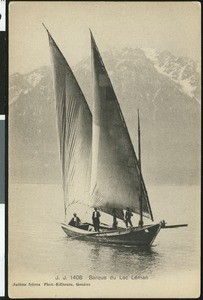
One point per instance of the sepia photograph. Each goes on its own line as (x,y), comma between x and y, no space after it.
(104,149)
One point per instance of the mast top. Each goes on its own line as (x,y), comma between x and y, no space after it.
(45,27)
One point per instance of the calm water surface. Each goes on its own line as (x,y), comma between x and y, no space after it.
(38,244)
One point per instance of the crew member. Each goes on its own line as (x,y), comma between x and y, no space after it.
(140,223)
(115,223)
(75,221)
(95,219)
(128,216)
(163,224)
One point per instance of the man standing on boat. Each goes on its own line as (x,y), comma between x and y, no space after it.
(128,216)
(140,223)
(115,223)
(95,219)
(75,221)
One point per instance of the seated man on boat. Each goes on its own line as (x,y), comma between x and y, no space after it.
(163,223)
(140,223)
(128,216)
(95,219)
(75,221)
(115,223)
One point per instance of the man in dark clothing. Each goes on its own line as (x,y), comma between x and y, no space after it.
(75,221)
(140,223)
(128,216)
(115,223)
(95,219)
(163,224)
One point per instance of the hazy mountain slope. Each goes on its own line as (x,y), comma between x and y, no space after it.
(166,90)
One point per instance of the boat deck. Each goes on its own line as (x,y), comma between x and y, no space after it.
(129,236)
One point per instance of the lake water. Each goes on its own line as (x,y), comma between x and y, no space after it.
(39,250)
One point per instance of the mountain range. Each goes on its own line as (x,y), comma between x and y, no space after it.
(164,87)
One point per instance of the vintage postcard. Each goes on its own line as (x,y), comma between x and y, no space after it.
(104,150)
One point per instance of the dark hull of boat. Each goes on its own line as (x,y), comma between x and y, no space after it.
(134,236)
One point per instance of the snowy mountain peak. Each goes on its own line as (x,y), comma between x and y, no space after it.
(151,54)
(23,84)
(140,64)
(181,70)
(34,78)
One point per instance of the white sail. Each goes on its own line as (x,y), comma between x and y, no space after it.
(116,180)
(74,130)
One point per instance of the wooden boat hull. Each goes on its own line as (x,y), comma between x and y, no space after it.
(134,236)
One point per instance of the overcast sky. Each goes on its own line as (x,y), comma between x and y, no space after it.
(160,25)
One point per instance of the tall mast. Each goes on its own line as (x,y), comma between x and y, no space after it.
(139,141)
(139,161)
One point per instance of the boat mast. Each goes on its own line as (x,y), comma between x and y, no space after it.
(139,142)
(139,163)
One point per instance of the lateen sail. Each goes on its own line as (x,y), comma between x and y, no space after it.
(74,129)
(116,177)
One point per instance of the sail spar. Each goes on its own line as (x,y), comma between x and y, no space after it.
(74,130)
(116,180)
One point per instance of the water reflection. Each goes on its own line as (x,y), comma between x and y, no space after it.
(114,259)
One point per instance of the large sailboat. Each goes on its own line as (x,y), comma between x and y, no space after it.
(100,168)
